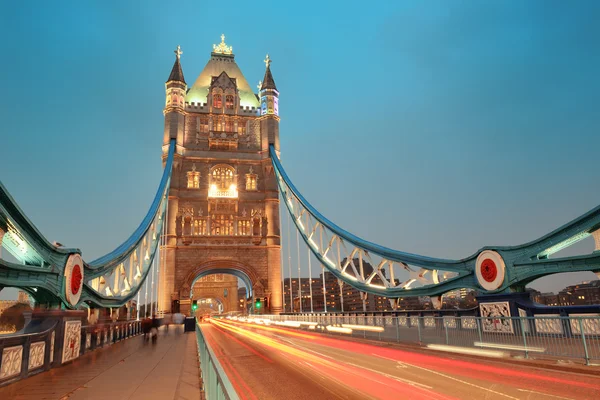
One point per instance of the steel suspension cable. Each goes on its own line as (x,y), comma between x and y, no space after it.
(282,268)
(289,262)
(323,274)
(299,278)
(310,282)
(151,284)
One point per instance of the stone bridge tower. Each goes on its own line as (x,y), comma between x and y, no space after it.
(223,210)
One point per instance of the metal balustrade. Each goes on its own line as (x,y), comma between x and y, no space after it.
(215,382)
(551,337)
(52,344)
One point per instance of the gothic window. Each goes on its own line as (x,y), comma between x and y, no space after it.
(217,101)
(222,182)
(241,128)
(199,227)
(228,126)
(193,178)
(244,228)
(229,102)
(203,125)
(219,127)
(222,177)
(251,182)
(221,225)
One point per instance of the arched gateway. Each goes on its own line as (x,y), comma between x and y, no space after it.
(223,211)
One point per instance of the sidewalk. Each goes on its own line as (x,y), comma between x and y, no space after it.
(130,369)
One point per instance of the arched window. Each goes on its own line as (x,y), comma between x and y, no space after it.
(228,126)
(229,102)
(217,101)
(222,176)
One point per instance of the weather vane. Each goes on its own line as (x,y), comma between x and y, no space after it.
(178,52)
(267,61)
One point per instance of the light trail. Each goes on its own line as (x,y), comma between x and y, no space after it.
(356,377)
(515,377)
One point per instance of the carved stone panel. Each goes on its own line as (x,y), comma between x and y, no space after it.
(591,324)
(11,362)
(429,322)
(72,342)
(37,351)
(549,323)
(450,322)
(496,317)
(468,322)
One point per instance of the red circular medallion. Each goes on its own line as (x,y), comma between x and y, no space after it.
(488,269)
(76,278)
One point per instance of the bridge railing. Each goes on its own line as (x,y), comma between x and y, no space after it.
(573,337)
(56,341)
(215,382)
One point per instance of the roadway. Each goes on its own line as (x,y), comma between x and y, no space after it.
(269,362)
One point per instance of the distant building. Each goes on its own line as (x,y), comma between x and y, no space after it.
(339,296)
(585,293)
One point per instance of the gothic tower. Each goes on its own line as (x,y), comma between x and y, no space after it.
(223,209)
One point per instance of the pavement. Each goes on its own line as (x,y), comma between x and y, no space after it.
(131,369)
(271,362)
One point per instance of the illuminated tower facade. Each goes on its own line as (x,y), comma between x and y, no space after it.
(223,210)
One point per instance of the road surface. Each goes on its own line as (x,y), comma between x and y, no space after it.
(270,362)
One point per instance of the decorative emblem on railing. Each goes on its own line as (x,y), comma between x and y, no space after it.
(74,279)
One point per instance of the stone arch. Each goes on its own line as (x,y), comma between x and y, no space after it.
(246,273)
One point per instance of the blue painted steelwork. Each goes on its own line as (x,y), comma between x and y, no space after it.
(522,263)
(42,271)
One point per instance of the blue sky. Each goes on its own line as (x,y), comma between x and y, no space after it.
(433,127)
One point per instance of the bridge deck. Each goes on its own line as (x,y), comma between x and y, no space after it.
(130,369)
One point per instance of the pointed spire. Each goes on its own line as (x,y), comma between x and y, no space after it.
(268,82)
(177,72)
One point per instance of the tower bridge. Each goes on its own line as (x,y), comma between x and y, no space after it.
(215,219)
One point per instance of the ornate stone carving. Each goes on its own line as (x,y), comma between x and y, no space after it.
(496,317)
(222,48)
(264,226)
(450,322)
(429,322)
(11,361)
(468,322)
(549,323)
(414,321)
(591,324)
(72,342)
(37,351)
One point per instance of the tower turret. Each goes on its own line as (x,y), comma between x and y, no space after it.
(269,108)
(175,104)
